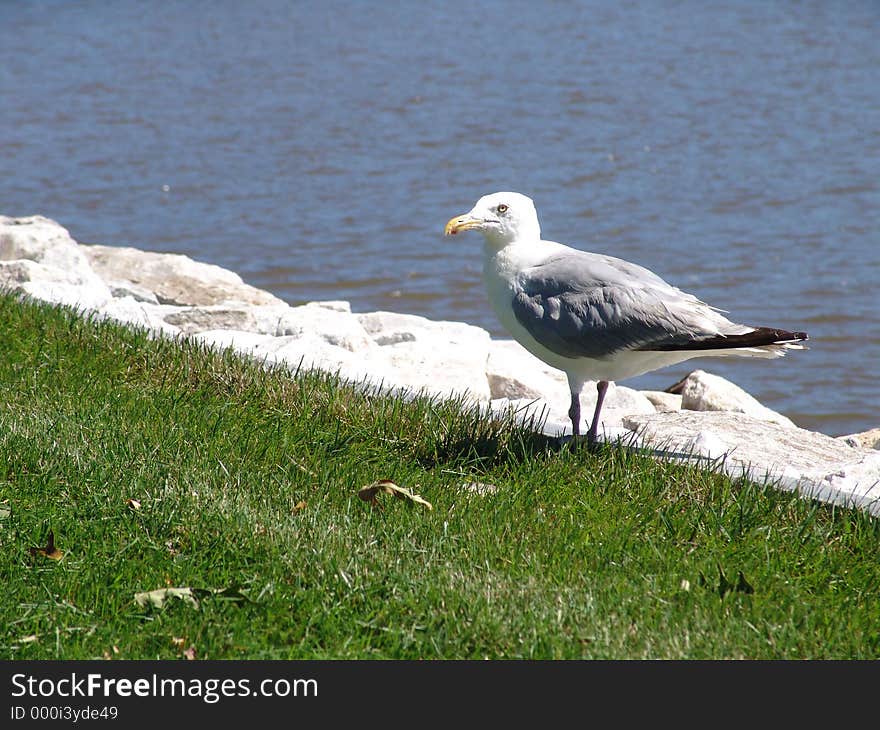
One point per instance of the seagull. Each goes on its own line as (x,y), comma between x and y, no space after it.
(597,317)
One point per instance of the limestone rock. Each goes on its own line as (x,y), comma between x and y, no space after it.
(44,241)
(702,391)
(337,305)
(53,285)
(390,328)
(308,351)
(121,289)
(313,352)
(13,274)
(332,324)
(437,367)
(435,357)
(39,258)
(864,440)
(662,401)
(245,343)
(792,458)
(514,373)
(130,311)
(173,278)
(86,298)
(541,416)
(191,320)
(618,397)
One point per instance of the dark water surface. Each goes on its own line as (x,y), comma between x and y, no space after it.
(317,148)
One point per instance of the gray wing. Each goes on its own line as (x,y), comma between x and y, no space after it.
(580,304)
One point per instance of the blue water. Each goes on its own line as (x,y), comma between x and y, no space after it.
(318,149)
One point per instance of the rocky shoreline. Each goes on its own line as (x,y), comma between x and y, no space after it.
(708,418)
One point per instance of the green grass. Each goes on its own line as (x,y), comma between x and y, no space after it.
(247,482)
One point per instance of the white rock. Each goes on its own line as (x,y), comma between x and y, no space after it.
(434,357)
(539,416)
(815,465)
(514,373)
(440,359)
(245,343)
(316,353)
(174,278)
(619,402)
(84,297)
(390,328)
(618,397)
(337,305)
(335,326)
(191,320)
(440,367)
(121,289)
(44,241)
(709,445)
(702,391)
(21,271)
(662,401)
(865,440)
(53,285)
(852,485)
(130,311)
(39,258)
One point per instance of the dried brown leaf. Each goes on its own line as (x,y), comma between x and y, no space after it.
(370,493)
(49,551)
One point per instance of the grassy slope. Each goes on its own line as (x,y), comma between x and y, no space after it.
(576,555)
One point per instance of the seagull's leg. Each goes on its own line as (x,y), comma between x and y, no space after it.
(601,388)
(574,413)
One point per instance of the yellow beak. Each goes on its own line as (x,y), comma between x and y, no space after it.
(461,223)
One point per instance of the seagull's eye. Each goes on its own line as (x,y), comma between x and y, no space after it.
(502,208)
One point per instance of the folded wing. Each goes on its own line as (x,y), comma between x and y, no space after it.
(579,304)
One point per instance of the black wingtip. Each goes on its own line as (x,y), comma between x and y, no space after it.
(758,337)
(780,337)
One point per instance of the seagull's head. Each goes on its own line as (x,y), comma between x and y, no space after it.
(502,218)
